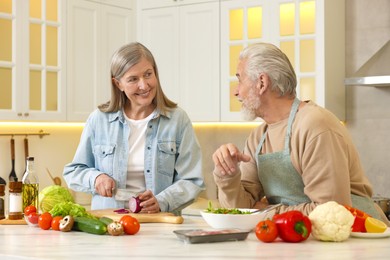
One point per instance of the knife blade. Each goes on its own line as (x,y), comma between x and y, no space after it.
(123,194)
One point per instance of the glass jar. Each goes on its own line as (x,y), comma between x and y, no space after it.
(15,201)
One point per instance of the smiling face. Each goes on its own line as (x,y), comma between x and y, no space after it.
(139,84)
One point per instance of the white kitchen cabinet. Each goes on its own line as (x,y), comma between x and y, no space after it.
(311,33)
(150,4)
(184,39)
(95,30)
(32,60)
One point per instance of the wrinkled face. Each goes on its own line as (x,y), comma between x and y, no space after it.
(246,93)
(139,84)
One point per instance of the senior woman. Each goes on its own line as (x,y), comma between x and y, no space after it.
(139,141)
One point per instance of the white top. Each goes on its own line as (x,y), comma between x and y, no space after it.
(135,164)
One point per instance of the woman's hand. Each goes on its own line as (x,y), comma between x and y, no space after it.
(149,202)
(227,157)
(104,185)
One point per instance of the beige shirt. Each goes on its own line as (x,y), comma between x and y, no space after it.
(321,151)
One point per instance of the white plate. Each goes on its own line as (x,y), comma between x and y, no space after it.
(371,235)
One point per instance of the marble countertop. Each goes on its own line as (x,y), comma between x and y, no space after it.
(157,241)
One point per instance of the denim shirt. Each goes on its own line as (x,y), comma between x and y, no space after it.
(172,164)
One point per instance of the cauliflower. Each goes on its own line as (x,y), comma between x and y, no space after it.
(331,222)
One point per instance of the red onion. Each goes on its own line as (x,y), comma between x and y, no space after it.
(134,204)
(121,211)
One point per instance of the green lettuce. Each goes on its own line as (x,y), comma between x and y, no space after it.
(69,208)
(52,195)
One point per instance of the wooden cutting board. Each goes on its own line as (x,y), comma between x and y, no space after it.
(161,217)
(7,221)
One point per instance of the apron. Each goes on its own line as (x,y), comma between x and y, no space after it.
(283,184)
(280,181)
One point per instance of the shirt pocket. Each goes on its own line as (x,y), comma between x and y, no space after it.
(166,157)
(104,158)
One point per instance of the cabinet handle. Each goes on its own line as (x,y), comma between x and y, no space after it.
(26,114)
(19,114)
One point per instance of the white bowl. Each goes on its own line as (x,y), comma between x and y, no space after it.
(233,221)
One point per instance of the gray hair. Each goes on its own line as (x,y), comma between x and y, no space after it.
(122,60)
(267,58)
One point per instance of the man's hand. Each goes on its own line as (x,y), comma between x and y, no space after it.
(227,157)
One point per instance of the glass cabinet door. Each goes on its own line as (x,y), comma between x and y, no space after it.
(31,61)
(310,32)
(243,25)
(7,60)
(44,49)
(297,39)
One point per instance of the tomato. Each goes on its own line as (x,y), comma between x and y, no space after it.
(55,223)
(33,218)
(130,225)
(29,209)
(266,231)
(44,220)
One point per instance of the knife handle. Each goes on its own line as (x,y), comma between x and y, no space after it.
(25,148)
(12,149)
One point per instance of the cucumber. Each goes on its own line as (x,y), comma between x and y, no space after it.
(106,220)
(89,225)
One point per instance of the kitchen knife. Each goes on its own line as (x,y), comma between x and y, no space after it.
(123,194)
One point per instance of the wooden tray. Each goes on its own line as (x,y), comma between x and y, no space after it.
(7,221)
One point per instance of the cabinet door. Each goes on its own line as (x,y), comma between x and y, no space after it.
(95,31)
(32,63)
(185,43)
(199,61)
(84,44)
(310,32)
(242,23)
(159,32)
(117,29)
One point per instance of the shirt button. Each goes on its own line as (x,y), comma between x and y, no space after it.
(148,171)
(148,147)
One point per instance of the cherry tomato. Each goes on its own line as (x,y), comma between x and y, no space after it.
(29,209)
(266,231)
(44,220)
(33,218)
(55,223)
(130,225)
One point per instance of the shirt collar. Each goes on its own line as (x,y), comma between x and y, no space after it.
(120,116)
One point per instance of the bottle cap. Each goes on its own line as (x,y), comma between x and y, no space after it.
(15,185)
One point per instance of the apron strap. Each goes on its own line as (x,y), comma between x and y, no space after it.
(293,111)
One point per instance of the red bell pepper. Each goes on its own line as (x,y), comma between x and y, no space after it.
(360,219)
(293,226)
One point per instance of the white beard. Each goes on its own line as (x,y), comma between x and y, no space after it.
(250,105)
